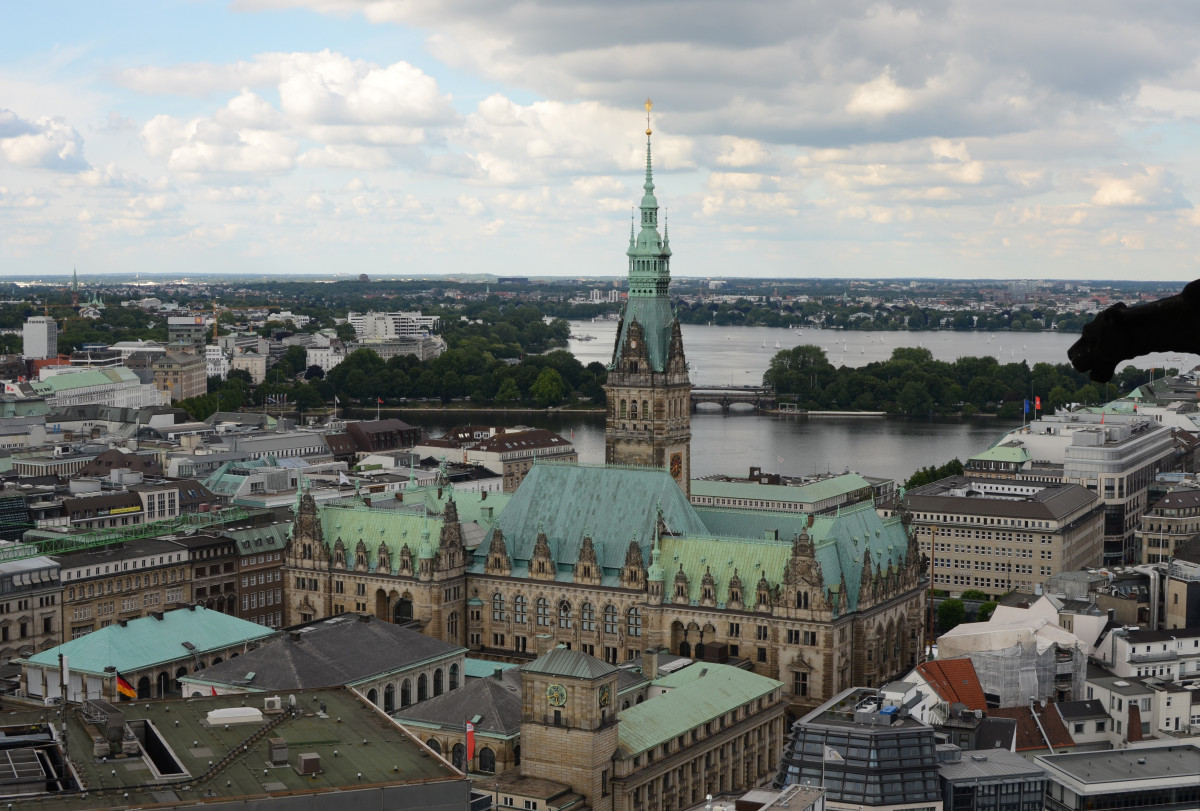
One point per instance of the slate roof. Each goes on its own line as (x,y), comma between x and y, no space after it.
(695,694)
(1029,737)
(955,680)
(609,502)
(149,641)
(497,702)
(1081,710)
(508,441)
(569,663)
(329,653)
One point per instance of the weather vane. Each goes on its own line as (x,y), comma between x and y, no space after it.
(649,104)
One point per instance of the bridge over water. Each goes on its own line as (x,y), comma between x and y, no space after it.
(761,398)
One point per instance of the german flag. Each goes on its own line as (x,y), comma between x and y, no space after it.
(125,688)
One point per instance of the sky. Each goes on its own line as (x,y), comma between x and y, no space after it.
(806,138)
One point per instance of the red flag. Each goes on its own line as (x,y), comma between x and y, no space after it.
(214,691)
(1037,403)
(379,400)
(470,740)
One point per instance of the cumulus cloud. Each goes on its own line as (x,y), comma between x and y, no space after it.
(47,143)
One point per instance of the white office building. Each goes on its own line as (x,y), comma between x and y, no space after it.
(384,326)
(40,338)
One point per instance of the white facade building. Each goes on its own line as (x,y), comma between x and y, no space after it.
(392,325)
(40,338)
(216,361)
(326,357)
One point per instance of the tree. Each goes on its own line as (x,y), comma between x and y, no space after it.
(950,613)
(508,391)
(914,399)
(985,611)
(974,594)
(314,371)
(548,389)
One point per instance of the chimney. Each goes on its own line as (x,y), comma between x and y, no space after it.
(191,606)
(364,617)
(498,674)
(367,501)
(123,623)
(650,664)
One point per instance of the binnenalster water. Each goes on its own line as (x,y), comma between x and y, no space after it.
(731,443)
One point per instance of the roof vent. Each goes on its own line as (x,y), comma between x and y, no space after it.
(1141,761)
(979,758)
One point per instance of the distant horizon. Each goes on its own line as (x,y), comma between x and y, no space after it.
(484,278)
(813,138)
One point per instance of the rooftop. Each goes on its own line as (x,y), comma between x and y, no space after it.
(149,641)
(574,664)
(989,763)
(1029,733)
(955,680)
(343,650)
(1177,763)
(863,709)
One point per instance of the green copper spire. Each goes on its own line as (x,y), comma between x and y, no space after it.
(649,272)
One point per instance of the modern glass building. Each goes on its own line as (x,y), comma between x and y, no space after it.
(867,752)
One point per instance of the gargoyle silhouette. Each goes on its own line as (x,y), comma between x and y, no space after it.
(1122,333)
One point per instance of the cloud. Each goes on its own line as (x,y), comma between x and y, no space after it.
(205,145)
(1137,187)
(47,143)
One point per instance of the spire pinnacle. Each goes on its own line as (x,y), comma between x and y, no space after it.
(649,104)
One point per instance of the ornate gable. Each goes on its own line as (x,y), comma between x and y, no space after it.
(633,573)
(541,563)
(383,559)
(498,561)
(587,570)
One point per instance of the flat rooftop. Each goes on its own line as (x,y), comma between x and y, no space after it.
(989,764)
(1175,763)
(351,737)
(861,708)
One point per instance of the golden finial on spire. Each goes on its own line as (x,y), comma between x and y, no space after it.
(649,104)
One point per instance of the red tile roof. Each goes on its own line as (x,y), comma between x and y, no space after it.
(1028,735)
(954,680)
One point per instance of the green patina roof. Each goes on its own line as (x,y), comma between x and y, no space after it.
(353,521)
(483,668)
(738,540)
(808,493)
(610,503)
(1004,453)
(696,694)
(147,642)
(655,315)
(574,664)
(224,483)
(843,538)
(78,380)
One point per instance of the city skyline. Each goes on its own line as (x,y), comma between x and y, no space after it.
(331,136)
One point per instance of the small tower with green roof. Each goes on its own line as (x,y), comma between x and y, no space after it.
(649,393)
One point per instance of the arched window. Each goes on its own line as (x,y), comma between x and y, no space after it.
(422,687)
(487,760)
(633,622)
(389,698)
(453,677)
(519,605)
(802,599)
(564,615)
(633,412)
(437,682)
(623,407)
(458,756)
(645,410)
(434,745)
(587,617)
(610,619)
(498,607)
(542,609)
(405,693)
(404,610)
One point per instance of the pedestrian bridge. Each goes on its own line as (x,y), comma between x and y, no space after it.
(760,398)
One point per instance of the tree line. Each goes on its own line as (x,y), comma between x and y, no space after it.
(912,383)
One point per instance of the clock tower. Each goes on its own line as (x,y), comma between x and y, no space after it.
(649,418)
(569,723)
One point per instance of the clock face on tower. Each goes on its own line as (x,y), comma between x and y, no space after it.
(676,465)
(556,694)
(605,695)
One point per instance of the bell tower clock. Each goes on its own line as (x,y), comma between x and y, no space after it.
(569,723)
